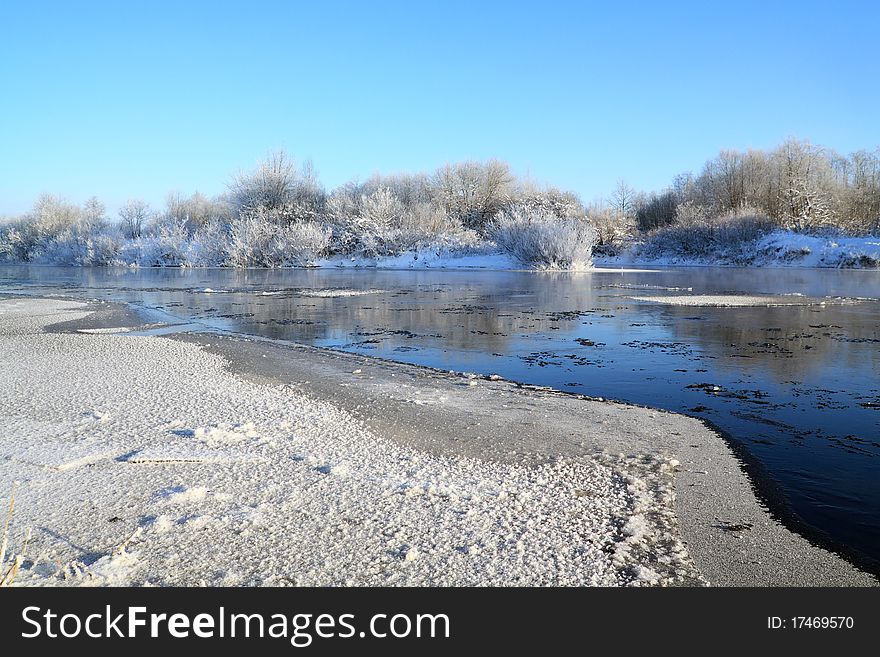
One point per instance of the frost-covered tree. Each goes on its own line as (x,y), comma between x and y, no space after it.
(804,194)
(473,192)
(548,199)
(289,193)
(52,215)
(380,211)
(409,189)
(194,212)
(94,215)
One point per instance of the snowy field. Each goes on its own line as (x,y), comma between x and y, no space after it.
(143,461)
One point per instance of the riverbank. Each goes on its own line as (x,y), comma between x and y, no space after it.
(778,249)
(306,466)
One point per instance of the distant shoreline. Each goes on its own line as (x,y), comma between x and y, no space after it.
(780,249)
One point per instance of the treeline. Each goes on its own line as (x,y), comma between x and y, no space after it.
(280,215)
(796,186)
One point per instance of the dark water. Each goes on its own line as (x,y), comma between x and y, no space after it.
(797,386)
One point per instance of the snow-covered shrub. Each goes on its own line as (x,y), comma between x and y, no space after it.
(543,240)
(344,201)
(691,213)
(613,229)
(380,224)
(51,216)
(257,241)
(819,250)
(306,242)
(429,219)
(13,247)
(58,232)
(374,229)
(253,242)
(209,245)
(858,261)
(167,247)
(82,247)
(380,211)
(464,241)
(731,237)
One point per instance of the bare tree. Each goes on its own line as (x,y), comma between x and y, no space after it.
(657,212)
(623,200)
(858,190)
(725,175)
(134,215)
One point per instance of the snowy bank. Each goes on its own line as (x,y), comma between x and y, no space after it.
(783,248)
(779,248)
(144,461)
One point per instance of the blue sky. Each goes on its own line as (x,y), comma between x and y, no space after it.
(135,99)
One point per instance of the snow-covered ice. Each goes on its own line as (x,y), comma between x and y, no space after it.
(175,471)
(332,293)
(736,300)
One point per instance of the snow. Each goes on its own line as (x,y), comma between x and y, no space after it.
(737,300)
(178,472)
(119,329)
(798,250)
(333,293)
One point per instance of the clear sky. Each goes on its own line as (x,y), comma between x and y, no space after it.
(134,99)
